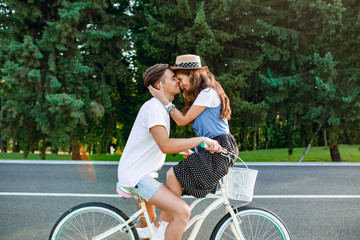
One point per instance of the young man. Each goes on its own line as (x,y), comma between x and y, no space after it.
(145,150)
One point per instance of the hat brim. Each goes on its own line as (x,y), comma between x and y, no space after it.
(189,68)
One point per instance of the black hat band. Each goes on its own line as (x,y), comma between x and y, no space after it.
(188,65)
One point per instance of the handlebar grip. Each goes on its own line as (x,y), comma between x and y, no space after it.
(204,145)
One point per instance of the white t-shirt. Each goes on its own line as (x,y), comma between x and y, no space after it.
(208,97)
(141,155)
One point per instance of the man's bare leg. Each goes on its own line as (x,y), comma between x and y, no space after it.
(177,208)
(151,211)
(174,185)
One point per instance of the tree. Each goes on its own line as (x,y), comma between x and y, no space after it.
(62,60)
(313,72)
(222,33)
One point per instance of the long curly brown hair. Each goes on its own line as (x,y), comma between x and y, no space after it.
(200,79)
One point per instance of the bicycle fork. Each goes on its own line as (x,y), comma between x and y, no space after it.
(236,221)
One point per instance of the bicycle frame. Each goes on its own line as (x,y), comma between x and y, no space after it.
(197,220)
(125,226)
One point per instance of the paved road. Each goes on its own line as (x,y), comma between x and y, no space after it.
(316,202)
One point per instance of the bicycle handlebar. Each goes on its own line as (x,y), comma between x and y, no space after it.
(204,145)
(224,152)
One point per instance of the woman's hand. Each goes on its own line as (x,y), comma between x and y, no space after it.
(159,94)
(186,153)
(212,145)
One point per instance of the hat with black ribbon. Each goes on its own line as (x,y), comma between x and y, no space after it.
(188,61)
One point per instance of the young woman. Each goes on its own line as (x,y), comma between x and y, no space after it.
(207,108)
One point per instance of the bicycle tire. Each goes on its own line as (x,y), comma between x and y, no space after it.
(90,219)
(257,223)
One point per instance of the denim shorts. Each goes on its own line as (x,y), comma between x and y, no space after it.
(147,187)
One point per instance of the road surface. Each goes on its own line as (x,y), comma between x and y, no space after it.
(316,201)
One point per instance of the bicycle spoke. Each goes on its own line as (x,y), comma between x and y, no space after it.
(230,236)
(259,227)
(89,220)
(255,224)
(83,227)
(68,238)
(78,231)
(94,226)
(101,222)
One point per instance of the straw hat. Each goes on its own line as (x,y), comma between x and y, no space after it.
(187,61)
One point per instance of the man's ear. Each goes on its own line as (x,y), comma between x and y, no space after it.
(158,85)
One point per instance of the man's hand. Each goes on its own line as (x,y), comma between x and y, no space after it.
(213,145)
(159,94)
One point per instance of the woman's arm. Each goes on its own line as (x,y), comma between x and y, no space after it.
(192,113)
(179,117)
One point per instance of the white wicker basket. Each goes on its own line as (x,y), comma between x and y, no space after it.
(239,183)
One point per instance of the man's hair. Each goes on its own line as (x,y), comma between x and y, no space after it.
(153,74)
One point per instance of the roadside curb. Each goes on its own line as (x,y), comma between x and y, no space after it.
(280,164)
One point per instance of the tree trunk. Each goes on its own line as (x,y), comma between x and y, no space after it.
(254,140)
(43,150)
(243,146)
(291,144)
(266,144)
(15,146)
(305,152)
(266,138)
(325,138)
(54,150)
(4,146)
(108,133)
(26,153)
(334,151)
(310,143)
(75,151)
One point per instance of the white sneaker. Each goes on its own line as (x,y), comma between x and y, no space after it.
(145,232)
(160,233)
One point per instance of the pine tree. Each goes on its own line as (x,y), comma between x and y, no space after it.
(222,33)
(312,71)
(62,62)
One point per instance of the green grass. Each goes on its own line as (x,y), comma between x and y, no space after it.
(34,156)
(349,153)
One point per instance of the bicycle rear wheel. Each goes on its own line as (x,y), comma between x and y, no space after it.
(256,223)
(91,219)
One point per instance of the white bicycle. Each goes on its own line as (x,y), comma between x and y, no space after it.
(102,221)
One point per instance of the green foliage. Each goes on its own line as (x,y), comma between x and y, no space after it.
(71,71)
(63,61)
(349,153)
(314,74)
(222,33)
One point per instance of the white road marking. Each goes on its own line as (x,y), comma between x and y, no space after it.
(118,196)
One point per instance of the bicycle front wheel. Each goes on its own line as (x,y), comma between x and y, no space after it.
(88,220)
(254,223)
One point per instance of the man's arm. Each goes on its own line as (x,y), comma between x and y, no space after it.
(175,145)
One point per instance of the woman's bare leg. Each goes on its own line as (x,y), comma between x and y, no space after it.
(172,183)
